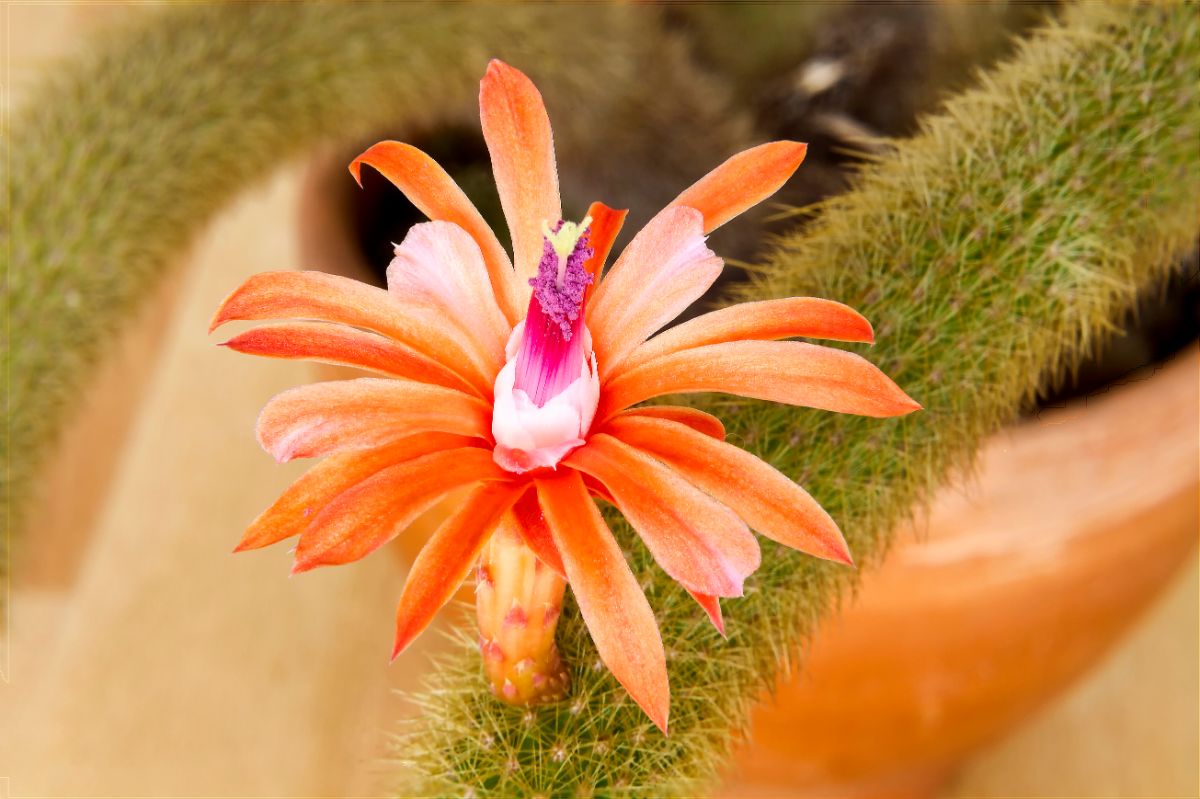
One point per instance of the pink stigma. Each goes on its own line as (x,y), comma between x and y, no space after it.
(551,354)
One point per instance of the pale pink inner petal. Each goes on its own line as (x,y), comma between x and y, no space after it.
(439,265)
(664,269)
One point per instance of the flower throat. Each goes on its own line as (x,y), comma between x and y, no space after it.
(552,350)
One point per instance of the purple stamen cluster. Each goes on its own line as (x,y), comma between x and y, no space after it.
(561,303)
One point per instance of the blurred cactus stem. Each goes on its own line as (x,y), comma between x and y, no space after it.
(519,599)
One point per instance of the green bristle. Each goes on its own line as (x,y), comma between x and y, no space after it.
(992,252)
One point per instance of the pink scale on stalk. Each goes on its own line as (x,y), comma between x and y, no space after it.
(547,392)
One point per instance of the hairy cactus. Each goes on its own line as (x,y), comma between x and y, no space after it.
(128,152)
(992,251)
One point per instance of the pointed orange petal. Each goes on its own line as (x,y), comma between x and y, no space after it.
(664,269)
(711,606)
(447,558)
(332,298)
(606,224)
(808,317)
(698,541)
(435,194)
(330,343)
(322,418)
(791,372)
(699,421)
(306,497)
(742,182)
(367,516)
(517,131)
(612,603)
(532,525)
(765,498)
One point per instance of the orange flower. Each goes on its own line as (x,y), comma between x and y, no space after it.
(522,379)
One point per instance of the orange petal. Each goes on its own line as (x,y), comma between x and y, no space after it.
(306,497)
(435,194)
(329,343)
(367,516)
(597,489)
(612,603)
(711,606)
(532,525)
(791,372)
(808,317)
(765,498)
(447,558)
(698,541)
(606,224)
(664,269)
(699,421)
(332,298)
(322,418)
(742,182)
(517,131)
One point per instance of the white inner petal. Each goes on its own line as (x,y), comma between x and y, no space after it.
(529,437)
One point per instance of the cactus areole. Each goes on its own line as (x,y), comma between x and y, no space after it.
(521,378)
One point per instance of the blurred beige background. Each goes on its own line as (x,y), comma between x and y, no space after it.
(120,687)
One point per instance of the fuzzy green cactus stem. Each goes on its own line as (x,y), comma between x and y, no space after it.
(991,251)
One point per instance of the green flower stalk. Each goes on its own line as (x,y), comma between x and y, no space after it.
(518,600)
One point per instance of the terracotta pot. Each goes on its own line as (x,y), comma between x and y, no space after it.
(1012,587)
